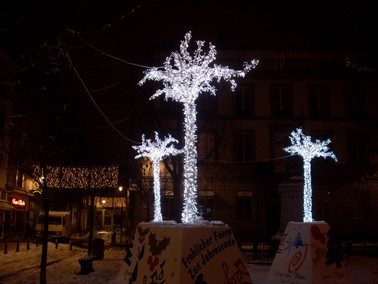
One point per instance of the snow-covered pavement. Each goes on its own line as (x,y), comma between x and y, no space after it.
(63,266)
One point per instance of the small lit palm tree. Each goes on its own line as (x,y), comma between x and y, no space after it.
(157,151)
(308,150)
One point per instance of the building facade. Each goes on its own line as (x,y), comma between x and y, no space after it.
(241,135)
(16,197)
(244,174)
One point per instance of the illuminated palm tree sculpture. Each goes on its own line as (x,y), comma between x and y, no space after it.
(184,77)
(303,146)
(157,151)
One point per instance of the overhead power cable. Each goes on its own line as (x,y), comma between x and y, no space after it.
(107,54)
(121,18)
(96,105)
(246,162)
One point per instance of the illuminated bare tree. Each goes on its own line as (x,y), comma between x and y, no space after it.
(308,150)
(184,77)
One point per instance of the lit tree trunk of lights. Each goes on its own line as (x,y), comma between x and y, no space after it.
(304,147)
(307,191)
(157,151)
(157,196)
(185,77)
(190,164)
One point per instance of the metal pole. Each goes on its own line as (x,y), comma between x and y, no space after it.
(90,238)
(120,240)
(91,217)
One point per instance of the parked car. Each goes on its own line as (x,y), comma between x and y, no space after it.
(59,226)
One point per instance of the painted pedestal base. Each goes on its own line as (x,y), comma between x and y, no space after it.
(307,254)
(179,253)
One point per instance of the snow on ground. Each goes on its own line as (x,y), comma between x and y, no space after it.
(63,267)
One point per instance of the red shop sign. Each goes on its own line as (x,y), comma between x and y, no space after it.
(18,202)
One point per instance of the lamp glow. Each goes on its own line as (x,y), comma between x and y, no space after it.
(184,77)
(157,151)
(303,146)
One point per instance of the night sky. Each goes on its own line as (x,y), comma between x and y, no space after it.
(57,48)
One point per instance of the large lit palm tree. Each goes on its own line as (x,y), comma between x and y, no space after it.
(184,77)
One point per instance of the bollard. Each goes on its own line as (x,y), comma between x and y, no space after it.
(18,246)
(70,245)
(28,244)
(56,243)
(5,247)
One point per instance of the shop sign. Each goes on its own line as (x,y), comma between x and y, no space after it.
(18,202)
